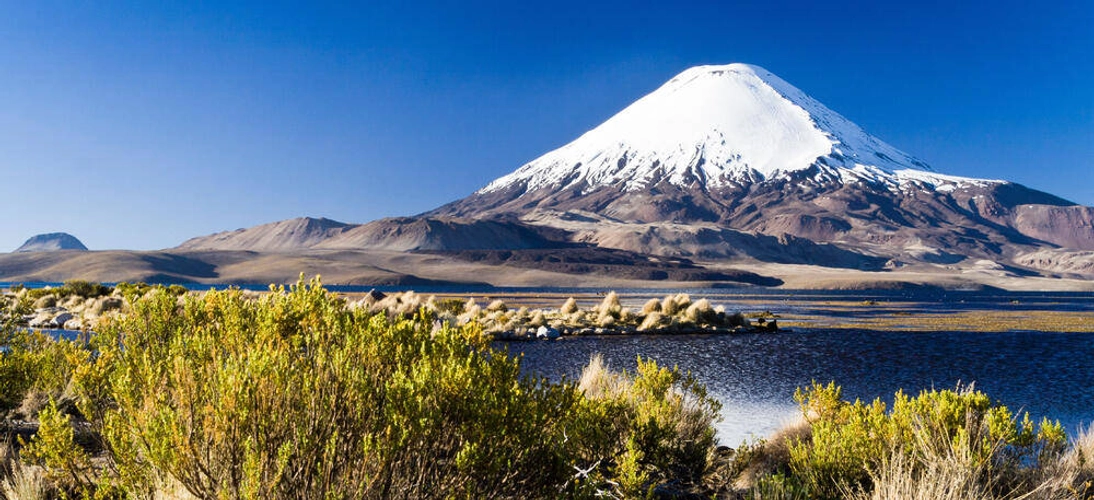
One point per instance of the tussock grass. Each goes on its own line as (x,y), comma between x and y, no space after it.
(608,316)
(599,382)
(26,482)
(771,455)
(930,478)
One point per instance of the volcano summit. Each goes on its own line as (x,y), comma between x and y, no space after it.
(735,147)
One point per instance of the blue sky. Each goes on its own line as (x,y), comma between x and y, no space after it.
(138,125)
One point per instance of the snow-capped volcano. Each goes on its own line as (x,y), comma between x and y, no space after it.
(736,147)
(720,125)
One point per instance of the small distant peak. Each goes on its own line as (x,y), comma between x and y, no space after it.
(50,242)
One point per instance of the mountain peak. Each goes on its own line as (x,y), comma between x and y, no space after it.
(715,70)
(720,125)
(50,242)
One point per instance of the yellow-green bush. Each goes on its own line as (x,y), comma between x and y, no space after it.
(851,440)
(54,448)
(294,395)
(654,426)
(34,360)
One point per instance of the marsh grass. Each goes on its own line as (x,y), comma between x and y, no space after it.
(912,317)
(299,394)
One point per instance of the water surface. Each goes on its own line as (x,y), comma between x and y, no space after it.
(754,375)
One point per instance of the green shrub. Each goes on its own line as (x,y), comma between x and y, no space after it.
(54,448)
(132,291)
(294,395)
(653,427)
(34,294)
(451,305)
(85,289)
(34,360)
(849,440)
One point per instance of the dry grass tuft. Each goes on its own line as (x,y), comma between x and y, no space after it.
(936,478)
(598,381)
(33,402)
(610,305)
(26,482)
(1073,474)
(773,454)
(682,301)
(605,321)
(569,307)
(651,322)
(699,311)
(668,306)
(537,320)
(471,312)
(45,301)
(171,489)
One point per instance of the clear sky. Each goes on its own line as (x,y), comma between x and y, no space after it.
(139,125)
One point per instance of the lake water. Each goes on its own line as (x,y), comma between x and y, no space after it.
(754,375)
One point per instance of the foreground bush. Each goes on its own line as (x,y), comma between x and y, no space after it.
(294,395)
(660,427)
(34,369)
(939,444)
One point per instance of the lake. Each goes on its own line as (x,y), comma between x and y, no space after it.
(754,375)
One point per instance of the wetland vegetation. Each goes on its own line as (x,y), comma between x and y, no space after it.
(299,393)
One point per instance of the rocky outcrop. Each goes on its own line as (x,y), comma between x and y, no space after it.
(1059,261)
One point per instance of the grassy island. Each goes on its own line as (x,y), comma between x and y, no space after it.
(675,314)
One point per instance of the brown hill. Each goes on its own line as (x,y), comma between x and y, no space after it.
(282,236)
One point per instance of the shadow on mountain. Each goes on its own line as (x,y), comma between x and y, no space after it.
(168,265)
(608,262)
